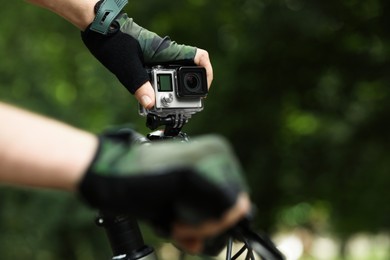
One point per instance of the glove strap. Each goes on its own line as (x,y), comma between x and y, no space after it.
(106,13)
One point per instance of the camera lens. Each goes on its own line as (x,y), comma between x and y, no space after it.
(191,81)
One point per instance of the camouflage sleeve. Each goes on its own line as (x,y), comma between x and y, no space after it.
(155,48)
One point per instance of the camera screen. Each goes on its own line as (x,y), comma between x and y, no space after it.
(164,82)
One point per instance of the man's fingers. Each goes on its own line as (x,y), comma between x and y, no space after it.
(145,95)
(212,228)
(202,59)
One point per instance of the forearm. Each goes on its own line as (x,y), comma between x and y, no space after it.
(78,12)
(41,152)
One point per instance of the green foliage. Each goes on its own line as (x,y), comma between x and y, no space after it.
(300,89)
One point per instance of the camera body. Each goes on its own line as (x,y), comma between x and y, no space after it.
(179,90)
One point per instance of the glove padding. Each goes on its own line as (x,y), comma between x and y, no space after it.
(165,181)
(128,47)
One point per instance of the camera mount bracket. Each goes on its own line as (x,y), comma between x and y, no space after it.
(173,123)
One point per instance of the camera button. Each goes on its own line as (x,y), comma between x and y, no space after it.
(166,100)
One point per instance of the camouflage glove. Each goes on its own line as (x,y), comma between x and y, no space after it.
(164,181)
(126,47)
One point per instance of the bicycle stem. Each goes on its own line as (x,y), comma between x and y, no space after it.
(125,237)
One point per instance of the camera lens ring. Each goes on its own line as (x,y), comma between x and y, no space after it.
(192,81)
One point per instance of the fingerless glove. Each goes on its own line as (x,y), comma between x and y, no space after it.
(164,181)
(127,48)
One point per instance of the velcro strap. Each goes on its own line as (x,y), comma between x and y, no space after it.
(107,12)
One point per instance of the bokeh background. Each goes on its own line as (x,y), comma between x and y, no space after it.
(301,90)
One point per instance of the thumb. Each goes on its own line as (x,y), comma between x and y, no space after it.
(145,95)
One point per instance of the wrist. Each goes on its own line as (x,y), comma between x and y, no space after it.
(86,14)
(79,13)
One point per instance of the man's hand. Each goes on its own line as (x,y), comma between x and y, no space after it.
(189,190)
(127,48)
